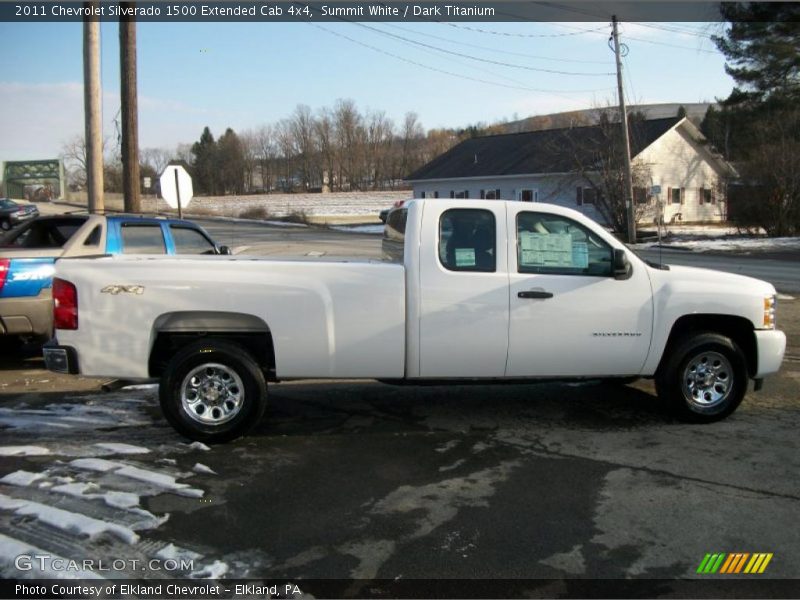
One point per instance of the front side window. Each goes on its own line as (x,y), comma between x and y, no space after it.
(190,241)
(467,240)
(142,239)
(560,246)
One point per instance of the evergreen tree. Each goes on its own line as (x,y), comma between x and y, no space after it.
(762,49)
(204,165)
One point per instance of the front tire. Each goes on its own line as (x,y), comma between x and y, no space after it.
(213,391)
(5,225)
(704,379)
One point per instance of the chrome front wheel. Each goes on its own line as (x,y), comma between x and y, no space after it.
(707,379)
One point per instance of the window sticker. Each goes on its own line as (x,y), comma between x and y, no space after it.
(547,249)
(465,257)
(580,255)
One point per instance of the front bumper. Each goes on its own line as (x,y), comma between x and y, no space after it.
(21,218)
(60,359)
(770,347)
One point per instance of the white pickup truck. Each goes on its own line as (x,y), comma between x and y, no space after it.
(488,290)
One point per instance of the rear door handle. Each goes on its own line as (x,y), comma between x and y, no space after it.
(534,294)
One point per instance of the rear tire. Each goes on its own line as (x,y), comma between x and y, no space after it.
(213,391)
(704,379)
(5,225)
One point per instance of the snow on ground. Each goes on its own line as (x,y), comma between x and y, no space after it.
(732,244)
(117,448)
(23,451)
(367,204)
(11,548)
(375,229)
(91,504)
(65,520)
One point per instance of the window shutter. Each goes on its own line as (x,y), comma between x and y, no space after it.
(422,195)
(483,194)
(497,194)
(579,196)
(700,193)
(683,194)
(452,194)
(669,195)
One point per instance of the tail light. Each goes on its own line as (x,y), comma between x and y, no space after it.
(65,304)
(5,265)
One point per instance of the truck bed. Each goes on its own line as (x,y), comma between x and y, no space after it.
(327,318)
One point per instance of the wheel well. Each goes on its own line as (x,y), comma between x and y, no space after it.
(176,329)
(738,329)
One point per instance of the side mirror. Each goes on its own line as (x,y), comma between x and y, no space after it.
(622,268)
(225,250)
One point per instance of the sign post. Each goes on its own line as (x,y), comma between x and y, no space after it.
(176,187)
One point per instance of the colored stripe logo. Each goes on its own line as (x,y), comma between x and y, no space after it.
(735,563)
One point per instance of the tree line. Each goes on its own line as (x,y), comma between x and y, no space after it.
(338,148)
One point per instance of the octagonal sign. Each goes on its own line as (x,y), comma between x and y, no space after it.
(176,185)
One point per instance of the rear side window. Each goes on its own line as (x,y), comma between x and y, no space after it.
(44,233)
(93,239)
(467,240)
(190,241)
(142,239)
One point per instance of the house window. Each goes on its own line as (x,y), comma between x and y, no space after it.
(640,195)
(589,195)
(676,195)
(529,195)
(461,194)
(490,194)
(707,196)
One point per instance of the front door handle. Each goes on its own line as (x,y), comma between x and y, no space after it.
(534,294)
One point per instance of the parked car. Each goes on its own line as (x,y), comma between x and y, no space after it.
(12,213)
(488,291)
(27,255)
(385,212)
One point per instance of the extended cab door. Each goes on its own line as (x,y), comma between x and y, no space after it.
(463,290)
(569,315)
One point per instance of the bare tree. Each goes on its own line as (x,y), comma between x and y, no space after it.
(303,131)
(156,159)
(286,151)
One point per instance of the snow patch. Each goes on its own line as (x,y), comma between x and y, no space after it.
(67,521)
(173,552)
(213,571)
(199,446)
(21,478)
(23,451)
(11,548)
(122,448)
(160,480)
(372,229)
(201,468)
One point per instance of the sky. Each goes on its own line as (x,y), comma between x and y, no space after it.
(244,75)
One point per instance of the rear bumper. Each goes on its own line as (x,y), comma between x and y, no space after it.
(60,359)
(27,316)
(771,345)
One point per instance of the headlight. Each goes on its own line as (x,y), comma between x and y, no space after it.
(769,311)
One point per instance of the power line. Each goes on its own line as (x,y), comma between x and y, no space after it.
(485,60)
(522,35)
(458,75)
(499,51)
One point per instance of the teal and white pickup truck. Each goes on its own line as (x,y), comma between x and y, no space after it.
(488,290)
(28,253)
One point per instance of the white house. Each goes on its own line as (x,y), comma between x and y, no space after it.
(542,166)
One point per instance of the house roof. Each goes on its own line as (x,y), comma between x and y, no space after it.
(534,152)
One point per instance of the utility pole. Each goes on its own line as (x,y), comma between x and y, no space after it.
(131,190)
(629,208)
(92,107)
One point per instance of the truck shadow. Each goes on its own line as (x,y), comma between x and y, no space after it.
(335,408)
